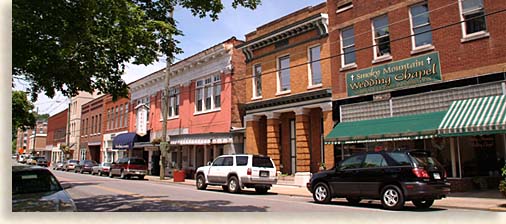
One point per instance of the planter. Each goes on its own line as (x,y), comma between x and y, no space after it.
(179,175)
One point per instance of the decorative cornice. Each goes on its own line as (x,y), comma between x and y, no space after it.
(317,21)
(301,97)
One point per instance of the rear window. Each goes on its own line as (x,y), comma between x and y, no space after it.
(400,158)
(242,160)
(424,160)
(262,162)
(137,162)
(35,181)
(72,161)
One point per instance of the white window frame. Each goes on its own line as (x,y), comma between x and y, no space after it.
(310,71)
(174,100)
(384,57)
(343,61)
(212,85)
(472,36)
(254,89)
(278,73)
(416,49)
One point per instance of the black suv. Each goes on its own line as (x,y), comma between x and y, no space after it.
(392,177)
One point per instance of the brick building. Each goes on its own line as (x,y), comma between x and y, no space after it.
(76,103)
(430,73)
(288,99)
(90,143)
(204,120)
(56,135)
(23,139)
(115,121)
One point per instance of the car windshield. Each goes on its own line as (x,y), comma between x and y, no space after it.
(262,162)
(34,181)
(137,161)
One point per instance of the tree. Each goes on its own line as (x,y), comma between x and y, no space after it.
(83,45)
(22,112)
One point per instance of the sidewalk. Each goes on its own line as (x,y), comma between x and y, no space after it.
(483,200)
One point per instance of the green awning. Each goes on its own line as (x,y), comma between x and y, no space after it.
(408,127)
(477,116)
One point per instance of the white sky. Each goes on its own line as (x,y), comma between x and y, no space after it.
(199,34)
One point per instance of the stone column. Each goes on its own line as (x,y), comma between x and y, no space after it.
(302,136)
(273,138)
(328,125)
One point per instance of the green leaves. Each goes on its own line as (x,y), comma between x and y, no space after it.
(82,45)
(22,112)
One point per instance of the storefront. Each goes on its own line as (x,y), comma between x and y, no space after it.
(124,145)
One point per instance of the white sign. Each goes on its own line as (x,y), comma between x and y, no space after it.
(142,119)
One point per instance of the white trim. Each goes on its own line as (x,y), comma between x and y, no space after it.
(417,49)
(423,48)
(254,85)
(283,93)
(348,67)
(278,69)
(207,111)
(256,98)
(384,57)
(344,9)
(311,87)
(473,36)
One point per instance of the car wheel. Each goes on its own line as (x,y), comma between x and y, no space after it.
(100,173)
(110,174)
(392,198)
(122,175)
(353,201)
(141,177)
(233,185)
(261,190)
(423,203)
(81,171)
(321,193)
(201,182)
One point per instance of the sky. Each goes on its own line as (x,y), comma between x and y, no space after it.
(199,34)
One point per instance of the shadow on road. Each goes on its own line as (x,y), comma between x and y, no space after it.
(376,205)
(135,203)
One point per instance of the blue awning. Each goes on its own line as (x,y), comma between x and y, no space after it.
(124,141)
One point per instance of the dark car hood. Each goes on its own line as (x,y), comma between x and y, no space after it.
(56,201)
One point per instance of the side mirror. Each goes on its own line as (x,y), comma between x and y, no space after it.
(209,163)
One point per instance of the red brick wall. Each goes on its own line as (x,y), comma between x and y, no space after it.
(54,123)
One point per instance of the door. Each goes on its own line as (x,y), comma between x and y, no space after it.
(344,182)
(293,148)
(372,174)
(215,170)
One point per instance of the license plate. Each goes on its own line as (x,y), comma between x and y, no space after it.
(137,172)
(436,176)
(264,173)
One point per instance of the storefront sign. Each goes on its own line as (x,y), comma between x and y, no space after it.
(142,119)
(404,73)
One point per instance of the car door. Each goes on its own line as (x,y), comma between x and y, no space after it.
(215,170)
(372,174)
(344,180)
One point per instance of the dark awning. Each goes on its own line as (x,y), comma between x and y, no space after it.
(124,141)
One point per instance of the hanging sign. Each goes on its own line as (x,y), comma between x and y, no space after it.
(142,120)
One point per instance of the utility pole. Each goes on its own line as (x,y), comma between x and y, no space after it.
(164,145)
(67,141)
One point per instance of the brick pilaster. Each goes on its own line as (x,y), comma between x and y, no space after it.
(302,141)
(273,140)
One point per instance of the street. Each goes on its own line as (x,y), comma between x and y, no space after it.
(103,194)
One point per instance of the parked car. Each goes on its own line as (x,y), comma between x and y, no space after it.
(392,177)
(41,161)
(70,164)
(128,167)
(32,160)
(58,165)
(85,166)
(22,158)
(234,172)
(102,168)
(35,189)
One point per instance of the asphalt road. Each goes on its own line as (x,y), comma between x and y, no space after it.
(104,194)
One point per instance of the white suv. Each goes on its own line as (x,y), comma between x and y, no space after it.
(234,172)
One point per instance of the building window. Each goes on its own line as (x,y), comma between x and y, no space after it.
(173,102)
(314,66)
(99,123)
(120,116)
(126,115)
(257,81)
(381,36)
(284,74)
(109,119)
(116,117)
(420,25)
(473,15)
(208,94)
(348,47)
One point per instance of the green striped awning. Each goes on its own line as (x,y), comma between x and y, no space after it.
(477,116)
(418,126)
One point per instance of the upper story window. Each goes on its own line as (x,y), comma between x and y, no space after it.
(283,74)
(473,15)
(116,117)
(343,6)
(121,116)
(257,81)
(381,37)
(126,114)
(315,70)
(420,25)
(99,123)
(208,94)
(173,102)
(109,119)
(348,57)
